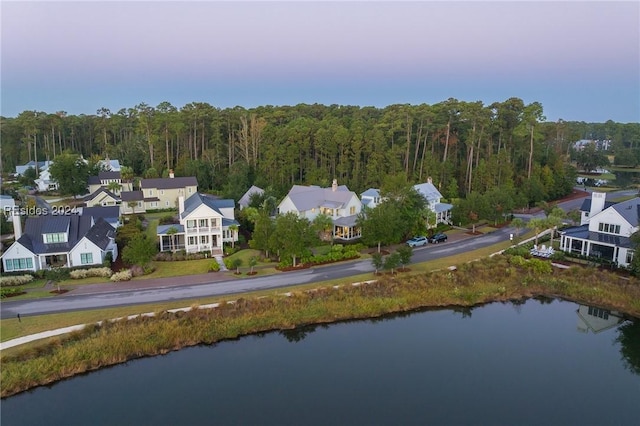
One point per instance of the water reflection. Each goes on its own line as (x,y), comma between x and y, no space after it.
(629,339)
(596,320)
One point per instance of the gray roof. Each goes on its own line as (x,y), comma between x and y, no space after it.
(586,205)
(229,222)
(162,229)
(169,183)
(244,201)
(582,232)
(443,207)
(108,212)
(428,191)
(346,221)
(371,192)
(196,200)
(629,210)
(101,233)
(98,192)
(309,197)
(131,196)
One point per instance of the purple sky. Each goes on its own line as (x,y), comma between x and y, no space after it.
(581,60)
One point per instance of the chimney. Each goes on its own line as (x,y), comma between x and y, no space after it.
(429,180)
(180,204)
(597,203)
(334,185)
(17,226)
(171,175)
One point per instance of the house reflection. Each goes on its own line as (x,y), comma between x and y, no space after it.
(596,320)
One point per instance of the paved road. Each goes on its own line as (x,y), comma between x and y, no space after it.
(152,295)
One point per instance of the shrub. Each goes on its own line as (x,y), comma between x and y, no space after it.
(136,271)
(16,280)
(214,267)
(11,291)
(540,266)
(93,272)
(517,261)
(121,276)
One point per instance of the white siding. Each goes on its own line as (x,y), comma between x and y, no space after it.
(610,216)
(287,206)
(85,246)
(18,251)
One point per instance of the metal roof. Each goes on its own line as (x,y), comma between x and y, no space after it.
(169,183)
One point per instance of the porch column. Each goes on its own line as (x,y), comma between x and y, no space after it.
(161,243)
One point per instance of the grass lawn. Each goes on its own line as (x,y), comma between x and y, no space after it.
(174,269)
(152,228)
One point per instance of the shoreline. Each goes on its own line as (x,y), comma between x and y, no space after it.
(475,284)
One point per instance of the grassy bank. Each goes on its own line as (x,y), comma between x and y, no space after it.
(496,279)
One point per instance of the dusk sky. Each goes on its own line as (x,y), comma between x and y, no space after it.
(580,60)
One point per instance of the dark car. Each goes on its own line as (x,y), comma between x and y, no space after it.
(438,238)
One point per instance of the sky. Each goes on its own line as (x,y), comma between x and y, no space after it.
(579,59)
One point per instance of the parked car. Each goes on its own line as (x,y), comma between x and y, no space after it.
(417,241)
(438,238)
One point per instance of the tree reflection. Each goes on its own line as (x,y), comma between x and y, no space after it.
(298,334)
(629,339)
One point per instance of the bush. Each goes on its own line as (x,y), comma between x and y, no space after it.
(214,267)
(93,272)
(121,276)
(15,280)
(136,271)
(540,266)
(11,291)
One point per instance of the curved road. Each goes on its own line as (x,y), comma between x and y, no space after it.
(10,309)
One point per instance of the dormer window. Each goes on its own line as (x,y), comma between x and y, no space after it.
(59,237)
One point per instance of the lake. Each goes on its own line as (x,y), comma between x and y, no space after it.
(539,362)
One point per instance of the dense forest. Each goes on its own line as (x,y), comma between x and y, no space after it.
(464,146)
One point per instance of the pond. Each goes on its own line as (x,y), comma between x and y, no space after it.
(538,362)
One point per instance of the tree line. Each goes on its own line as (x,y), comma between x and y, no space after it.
(464,146)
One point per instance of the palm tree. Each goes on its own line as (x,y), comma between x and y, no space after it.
(234,232)
(323,224)
(172,231)
(518,223)
(537,225)
(114,187)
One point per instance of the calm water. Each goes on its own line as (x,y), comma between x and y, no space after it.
(535,363)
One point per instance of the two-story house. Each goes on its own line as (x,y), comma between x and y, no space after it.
(371,198)
(433,197)
(163,193)
(111,180)
(337,202)
(604,232)
(61,241)
(206,223)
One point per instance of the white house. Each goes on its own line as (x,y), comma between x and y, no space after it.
(104,179)
(594,319)
(371,198)
(7,205)
(205,224)
(337,202)
(605,230)
(433,197)
(246,198)
(44,182)
(102,197)
(61,241)
(21,169)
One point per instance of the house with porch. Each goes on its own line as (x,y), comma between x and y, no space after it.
(206,223)
(51,241)
(337,202)
(605,230)
(105,179)
(102,197)
(371,198)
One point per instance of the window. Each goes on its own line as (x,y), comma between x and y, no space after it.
(204,239)
(609,228)
(86,258)
(202,223)
(629,256)
(19,264)
(150,192)
(213,223)
(600,313)
(192,241)
(190,190)
(162,192)
(154,204)
(55,238)
(191,223)
(352,210)
(166,203)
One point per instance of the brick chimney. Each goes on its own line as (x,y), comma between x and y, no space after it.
(334,185)
(171,175)
(429,180)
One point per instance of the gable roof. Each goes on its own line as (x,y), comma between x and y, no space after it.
(169,183)
(629,210)
(131,196)
(371,192)
(98,191)
(101,233)
(586,205)
(308,197)
(244,200)
(197,200)
(106,212)
(428,191)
